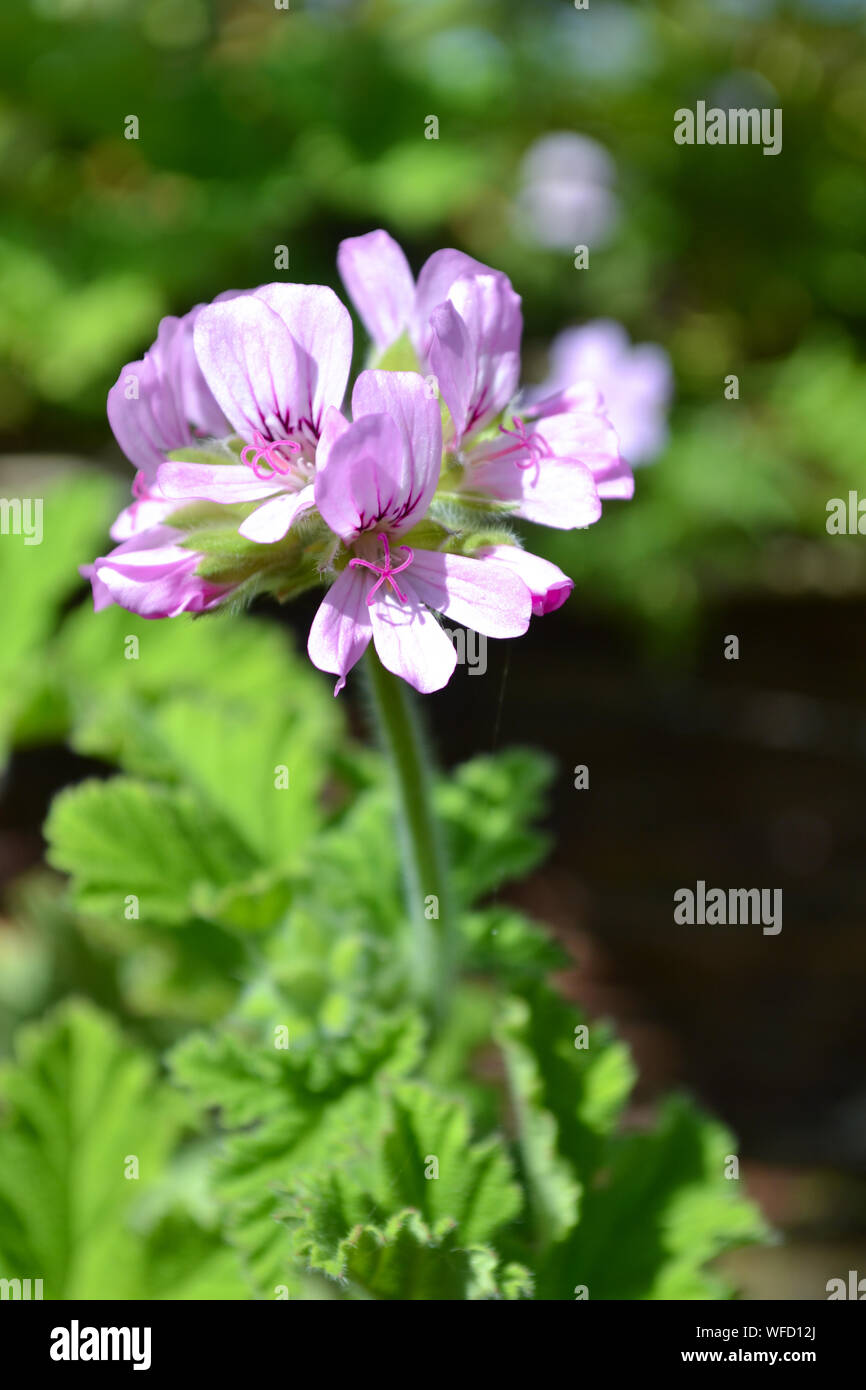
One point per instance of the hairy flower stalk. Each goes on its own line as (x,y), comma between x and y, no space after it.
(427,880)
(253,477)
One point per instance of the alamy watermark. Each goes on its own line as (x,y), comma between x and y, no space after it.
(77,1343)
(854,1288)
(471,648)
(23,1289)
(22,516)
(732,907)
(737,126)
(846,517)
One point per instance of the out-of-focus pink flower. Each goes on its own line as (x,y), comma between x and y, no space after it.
(375,484)
(636,383)
(153,575)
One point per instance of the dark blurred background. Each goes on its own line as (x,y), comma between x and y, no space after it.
(261,128)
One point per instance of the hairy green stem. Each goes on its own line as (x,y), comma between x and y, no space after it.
(429,905)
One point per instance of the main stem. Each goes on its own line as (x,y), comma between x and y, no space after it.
(426,875)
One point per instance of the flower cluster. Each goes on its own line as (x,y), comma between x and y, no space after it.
(252,478)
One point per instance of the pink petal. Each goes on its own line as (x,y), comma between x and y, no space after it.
(480,594)
(152,575)
(271,521)
(582,395)
(334,423)
(342,629)
(404,397)
(171,396)
(563,495)
(490,309)
(250,362)
(143,514)
(145,416)
(379,282)
(409,641)
(452,359)
(174,344)
(204,482)
(365,478)
(322,329)
(434,282)
(589,439)
(546,582)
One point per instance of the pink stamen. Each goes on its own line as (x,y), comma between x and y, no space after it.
(538,448)
(266,449)
(386,571)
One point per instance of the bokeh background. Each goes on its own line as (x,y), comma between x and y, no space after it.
(260,128)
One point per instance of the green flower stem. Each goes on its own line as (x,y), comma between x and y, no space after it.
(429,904)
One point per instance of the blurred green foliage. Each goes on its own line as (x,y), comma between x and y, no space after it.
(261,127)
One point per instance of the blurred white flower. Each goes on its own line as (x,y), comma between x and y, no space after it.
(566,192)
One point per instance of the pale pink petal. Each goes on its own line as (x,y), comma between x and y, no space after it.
(452,360)
(405,398)
(145,415)
(409,641)
(379,282)
(321,327)
(151,574)
(174,344)
(546,582)
(204,482)
(589,439)
(434,282)
(582,395)
(250,362)
(334,423)
(490,309)
(480,594)
(342,629)
(271,521)
(562,495)
(365,478)
(141,515)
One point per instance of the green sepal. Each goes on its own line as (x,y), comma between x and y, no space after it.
(287,567)
(470,542)
(196,516)
(214,454)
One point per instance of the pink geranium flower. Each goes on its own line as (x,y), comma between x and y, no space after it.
(465,323)
(160,403)
(153,575)
(390,506)
(275,360)
(375,483)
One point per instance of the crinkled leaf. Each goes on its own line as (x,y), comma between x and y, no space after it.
(408,1261)
(489,805)
(124,837)
(77,1104)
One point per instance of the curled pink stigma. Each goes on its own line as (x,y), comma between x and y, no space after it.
(267,449)
(537,447)
(386,571)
